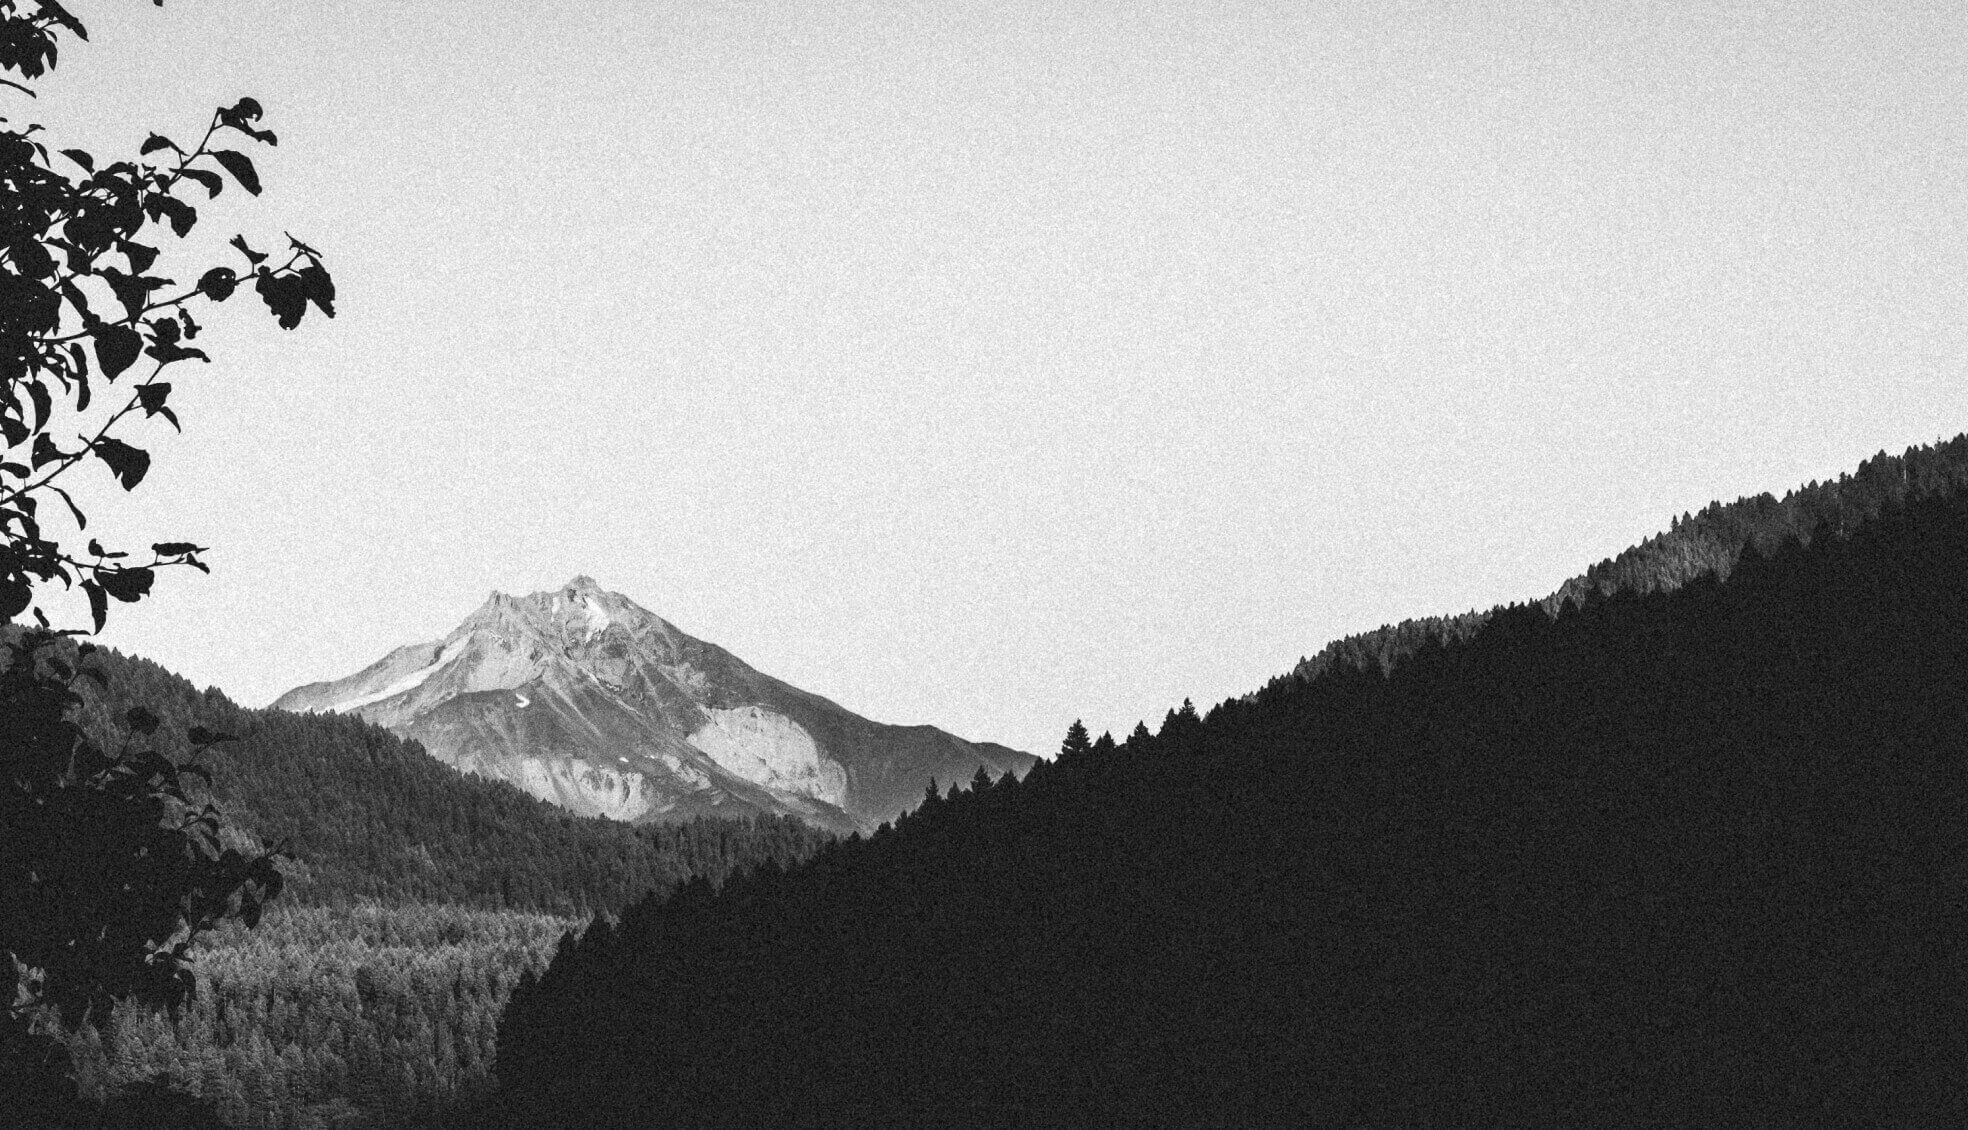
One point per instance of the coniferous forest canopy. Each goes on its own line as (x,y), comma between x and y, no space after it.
(1709,541)
(1681,857)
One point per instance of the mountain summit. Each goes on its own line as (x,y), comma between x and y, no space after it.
(582,697)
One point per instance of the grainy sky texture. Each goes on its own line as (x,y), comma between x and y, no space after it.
(993,365)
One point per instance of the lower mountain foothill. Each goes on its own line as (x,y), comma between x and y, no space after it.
(1688,857)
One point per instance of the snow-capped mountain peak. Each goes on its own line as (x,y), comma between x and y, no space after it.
(583,697)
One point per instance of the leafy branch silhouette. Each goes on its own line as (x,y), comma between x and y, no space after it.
(109,867)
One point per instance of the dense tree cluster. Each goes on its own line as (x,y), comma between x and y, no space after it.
(1688,857)
(322,1017)
(1696,545)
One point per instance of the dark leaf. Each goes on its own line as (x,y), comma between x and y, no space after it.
(43,403)
(164,331)
(117,347)
(127,585)
(285,295)
(98,603)
(61,16)
(246,109)
(199,735)
(152,397)
(155,142)
(174,548)
(141,720)
(128,464)
(133,291)
(14,596)
(140,256)
(81,158)
(45,451)
(217,284)
(182,216)
(80,301)
(212,181)
(166,354)
(31,259)
(241,168)
(15,469)
(252,256)
(81,522)
(318,287)
(15,431)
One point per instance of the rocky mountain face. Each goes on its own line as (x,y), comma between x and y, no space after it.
(581,697)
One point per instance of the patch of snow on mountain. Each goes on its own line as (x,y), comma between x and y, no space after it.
(597,616)
(772,750)
(408,682)
(524,702)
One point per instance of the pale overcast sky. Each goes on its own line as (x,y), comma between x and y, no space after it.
(996,364)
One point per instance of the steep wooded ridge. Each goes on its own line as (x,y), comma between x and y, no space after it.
(1696,545)
(584,698)
(372,817)
(1688,857)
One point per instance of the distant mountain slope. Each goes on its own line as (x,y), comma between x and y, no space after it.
(581,697)
(1693,857)
(374,817)
(1695,545)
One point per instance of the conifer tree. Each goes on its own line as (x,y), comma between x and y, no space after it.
(1076,742)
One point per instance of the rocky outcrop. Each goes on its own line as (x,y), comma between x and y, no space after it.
(581,697)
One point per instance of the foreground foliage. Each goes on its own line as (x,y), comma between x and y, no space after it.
(1685,858)
(107,873)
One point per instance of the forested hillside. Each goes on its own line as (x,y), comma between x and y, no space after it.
(1690,857)
(1695,545)
(369,816)
(417,896)
(318,1017)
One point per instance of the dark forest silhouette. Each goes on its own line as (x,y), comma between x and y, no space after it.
(1687,857)
(1694,545)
